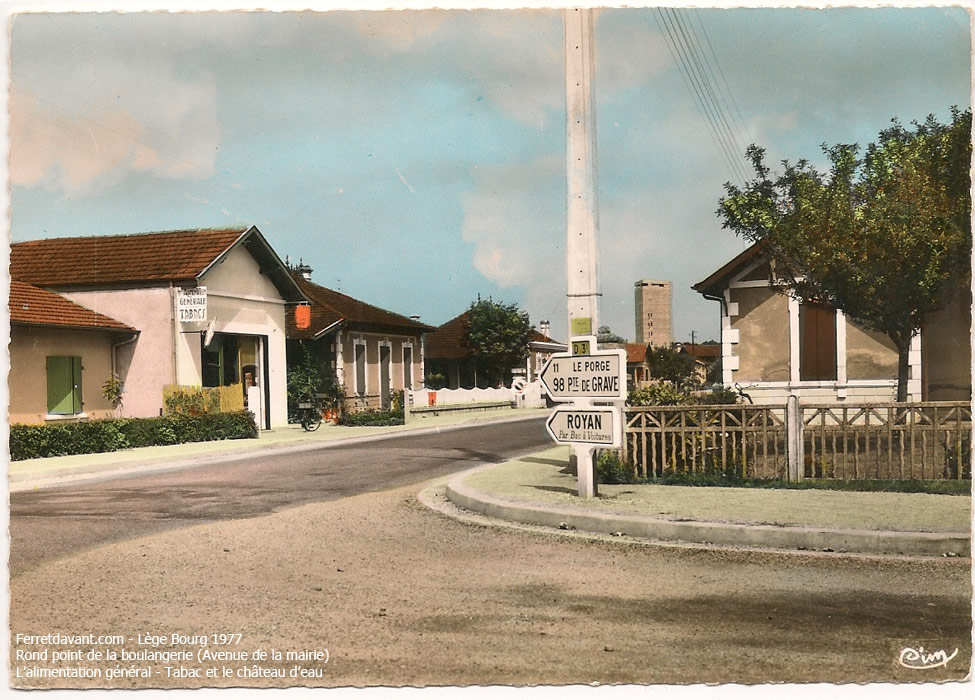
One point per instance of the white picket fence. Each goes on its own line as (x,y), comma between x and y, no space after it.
(530,397)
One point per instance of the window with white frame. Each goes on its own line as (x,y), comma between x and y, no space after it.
(817,343)
(360,367)
(408,367)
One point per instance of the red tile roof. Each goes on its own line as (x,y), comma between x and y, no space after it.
(30,305)
(702,352)
(99,260)
(635,353)
(449,340)
(329,307)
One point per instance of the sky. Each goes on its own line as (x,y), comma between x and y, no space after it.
(416,159)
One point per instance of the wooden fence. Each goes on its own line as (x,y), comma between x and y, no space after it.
(930,440)
(831,441)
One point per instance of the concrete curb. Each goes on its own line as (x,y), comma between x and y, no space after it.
(929,544)
(62,476)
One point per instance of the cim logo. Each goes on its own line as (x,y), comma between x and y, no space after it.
(920,659)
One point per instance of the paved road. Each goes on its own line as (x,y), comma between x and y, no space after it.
(53,523)
(401,595)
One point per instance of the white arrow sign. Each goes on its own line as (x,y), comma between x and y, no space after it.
(590,426)
(598,376)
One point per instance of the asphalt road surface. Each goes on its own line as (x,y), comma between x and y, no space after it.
(53,523)
(398,594)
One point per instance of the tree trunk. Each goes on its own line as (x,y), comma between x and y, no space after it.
(903,366)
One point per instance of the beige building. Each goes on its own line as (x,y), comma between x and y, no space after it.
(65,348)
(774,346)
(208,305)
(653,302)
(371,352)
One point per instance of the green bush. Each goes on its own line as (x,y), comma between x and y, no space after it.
(435,381)
(657,393)
(58,439)
(190,400)
(611,469)
(86,437)
(363,418)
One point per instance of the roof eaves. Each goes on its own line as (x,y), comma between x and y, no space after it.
(328,329)
(709,284)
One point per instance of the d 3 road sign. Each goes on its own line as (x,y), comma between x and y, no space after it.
(597,376)
(588,426)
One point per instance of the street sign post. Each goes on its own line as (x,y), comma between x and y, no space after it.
(583,377)
(598,375)
(598,426)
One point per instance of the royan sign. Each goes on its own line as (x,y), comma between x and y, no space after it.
(587,426)
(191,304)
(598,375)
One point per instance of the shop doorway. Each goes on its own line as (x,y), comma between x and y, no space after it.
(240,361)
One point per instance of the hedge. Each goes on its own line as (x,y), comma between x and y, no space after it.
(85,437)
(372,418)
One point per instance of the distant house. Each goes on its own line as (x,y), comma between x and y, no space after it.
(705,356)
(448,353)
(371,352)
(773,345)
(637,367)
(199,307)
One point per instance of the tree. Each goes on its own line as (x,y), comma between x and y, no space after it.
(667,363)
(884,238)
(308,377)
(498,336)
(606,335)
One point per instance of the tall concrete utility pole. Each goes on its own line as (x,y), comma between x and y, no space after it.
(581,211)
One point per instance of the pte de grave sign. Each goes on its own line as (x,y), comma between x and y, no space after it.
(598,375)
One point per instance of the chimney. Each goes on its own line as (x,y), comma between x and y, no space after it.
(545,327)
(303,269)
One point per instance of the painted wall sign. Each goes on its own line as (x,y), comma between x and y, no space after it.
(191,304)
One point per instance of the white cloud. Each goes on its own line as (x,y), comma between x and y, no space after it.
(512,221)
(101,120)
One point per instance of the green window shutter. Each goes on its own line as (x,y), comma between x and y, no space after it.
(63,385)
(76,394)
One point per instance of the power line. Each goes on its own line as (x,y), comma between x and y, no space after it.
(697,81)
(714,90)
(707,95)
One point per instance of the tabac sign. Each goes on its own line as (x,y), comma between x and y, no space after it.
(598,426)
(598,375)
(191,304)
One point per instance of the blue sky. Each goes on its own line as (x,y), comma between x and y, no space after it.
(416,160)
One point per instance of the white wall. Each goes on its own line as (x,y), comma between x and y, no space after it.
(242,301)
(239,300)
(147,364)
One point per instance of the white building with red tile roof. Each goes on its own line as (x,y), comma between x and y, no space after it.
(201,307)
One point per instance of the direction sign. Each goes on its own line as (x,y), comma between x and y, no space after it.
(589,426)
(597,376)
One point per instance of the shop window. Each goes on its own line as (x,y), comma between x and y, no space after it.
(221,361)
(63,385)
(817,343)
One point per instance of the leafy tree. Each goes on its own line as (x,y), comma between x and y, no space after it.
(307,377)
(884,237)
(498,336)
(670,365)
(606,335)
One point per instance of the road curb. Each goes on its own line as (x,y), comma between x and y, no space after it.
(62,476)
(928,544)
